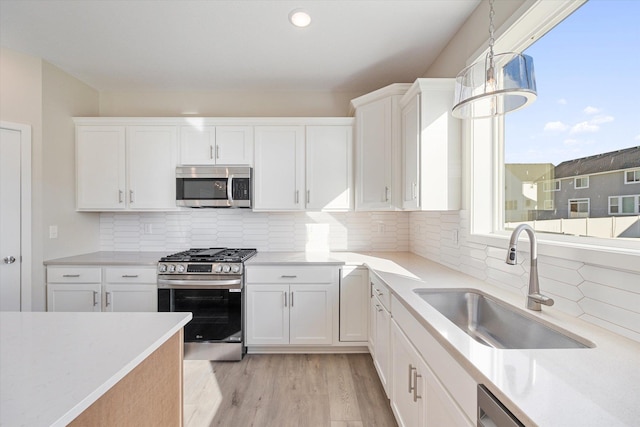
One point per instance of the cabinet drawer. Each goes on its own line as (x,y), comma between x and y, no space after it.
(381,291)
(74,274)
(292,274)
(130,275)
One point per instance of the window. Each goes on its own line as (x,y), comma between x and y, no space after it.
(581,182)
(551,185)
(512,205)
(624,205)
(548,205)
(578,208)
(632,177)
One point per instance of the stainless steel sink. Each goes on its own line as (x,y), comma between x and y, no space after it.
(496,324)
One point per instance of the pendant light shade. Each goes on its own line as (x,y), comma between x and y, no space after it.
(485,90)
(501,83)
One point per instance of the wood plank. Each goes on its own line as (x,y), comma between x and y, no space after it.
(342,394)
(372,400)
(202,395)
(150,395)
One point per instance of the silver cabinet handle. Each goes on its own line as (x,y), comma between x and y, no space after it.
(70,275)
(131,196)
(217,151)
(308,196)
(108,300)
(386,194)
(297,196)
(211,152)
(288,277)
(95,298)
(285,298)
(416,375)
(129,276)
(411,386)
(291,298)
(378,308)
(9,259)
(120,196)
(378,292)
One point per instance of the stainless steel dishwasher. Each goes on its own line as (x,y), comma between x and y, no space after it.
(492,413)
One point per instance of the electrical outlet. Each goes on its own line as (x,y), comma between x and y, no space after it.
(454,237)
(148,229)
(53,231)
(381,227)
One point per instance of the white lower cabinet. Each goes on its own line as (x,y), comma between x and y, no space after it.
(291,306)
(118,289)
(354,304)
(381,331)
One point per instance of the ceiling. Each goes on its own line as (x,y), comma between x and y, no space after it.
(238,45)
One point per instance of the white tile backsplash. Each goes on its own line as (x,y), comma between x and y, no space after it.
(266,231)
(605,297)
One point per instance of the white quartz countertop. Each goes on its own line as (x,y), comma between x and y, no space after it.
(110,258)
(550,387)
(53,366)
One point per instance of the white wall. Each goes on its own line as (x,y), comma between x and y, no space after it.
(225,104)
(266,231)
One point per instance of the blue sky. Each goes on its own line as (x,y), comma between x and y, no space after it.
(588,80)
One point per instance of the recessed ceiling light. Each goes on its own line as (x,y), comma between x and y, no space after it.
(299,18)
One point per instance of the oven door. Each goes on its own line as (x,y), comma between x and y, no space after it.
(217,313)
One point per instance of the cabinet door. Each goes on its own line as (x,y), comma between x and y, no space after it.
(374,154)
(73,297)
(279,168)
(198,145)
(100,167)
(408,394)
(382,356)
(441,409)
(130,297)
(410,125)
(311,320)
(354,305)
(373,310)
(151,167)
(328,168)
(267,316)
(234,145)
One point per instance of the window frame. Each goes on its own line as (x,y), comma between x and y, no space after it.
(636,175)
(578,201)
(483,140)
(620,205)
(550,206)
(575,180)
(546,185)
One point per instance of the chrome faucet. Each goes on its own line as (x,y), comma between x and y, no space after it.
(534,297)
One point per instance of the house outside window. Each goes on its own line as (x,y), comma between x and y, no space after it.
(632,177)
(548,205)
(551,185)
(578,208)
(624,205)
(581,182)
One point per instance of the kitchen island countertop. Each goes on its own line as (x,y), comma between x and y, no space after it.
(53,366)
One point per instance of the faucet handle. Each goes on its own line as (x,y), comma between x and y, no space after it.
(541,299)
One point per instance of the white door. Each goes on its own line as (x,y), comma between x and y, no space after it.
(354,304)
(130,297)
(279,168)
(311,318)
(198,145)
(410,144)
(267,314)
(328,167)
(74,297)
(234,145)
(10,211)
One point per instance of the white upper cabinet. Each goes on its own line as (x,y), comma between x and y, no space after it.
(100,167)
(431,147)
(378,148)
(151,167)
(279,168)
(222,145)
(328,168)
(125,167)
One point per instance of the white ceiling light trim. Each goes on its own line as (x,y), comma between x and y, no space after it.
(299,18)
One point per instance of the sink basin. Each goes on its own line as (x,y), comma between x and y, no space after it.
(496,324)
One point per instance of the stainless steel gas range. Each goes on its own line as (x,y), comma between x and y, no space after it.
(210,284)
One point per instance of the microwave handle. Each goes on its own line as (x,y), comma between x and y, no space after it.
(230,189)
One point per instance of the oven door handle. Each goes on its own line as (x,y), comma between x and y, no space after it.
(230,190)
(202,284)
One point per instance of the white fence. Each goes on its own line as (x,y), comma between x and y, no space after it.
(609,227)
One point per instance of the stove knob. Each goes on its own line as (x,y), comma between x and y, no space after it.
(172,268)
(219,268)
(162,268)
(235,268)
(180,268)
(226,268)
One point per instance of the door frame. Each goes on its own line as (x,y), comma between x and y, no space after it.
(25,211)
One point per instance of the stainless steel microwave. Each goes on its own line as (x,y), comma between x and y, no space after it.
(213,186)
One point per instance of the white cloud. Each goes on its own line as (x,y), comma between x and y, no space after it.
(556,126)
(562,101)
(591,110)
(584,127)
(598,120)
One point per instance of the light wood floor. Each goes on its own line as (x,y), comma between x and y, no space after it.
(307,390)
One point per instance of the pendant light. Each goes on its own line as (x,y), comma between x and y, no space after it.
(496,85)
